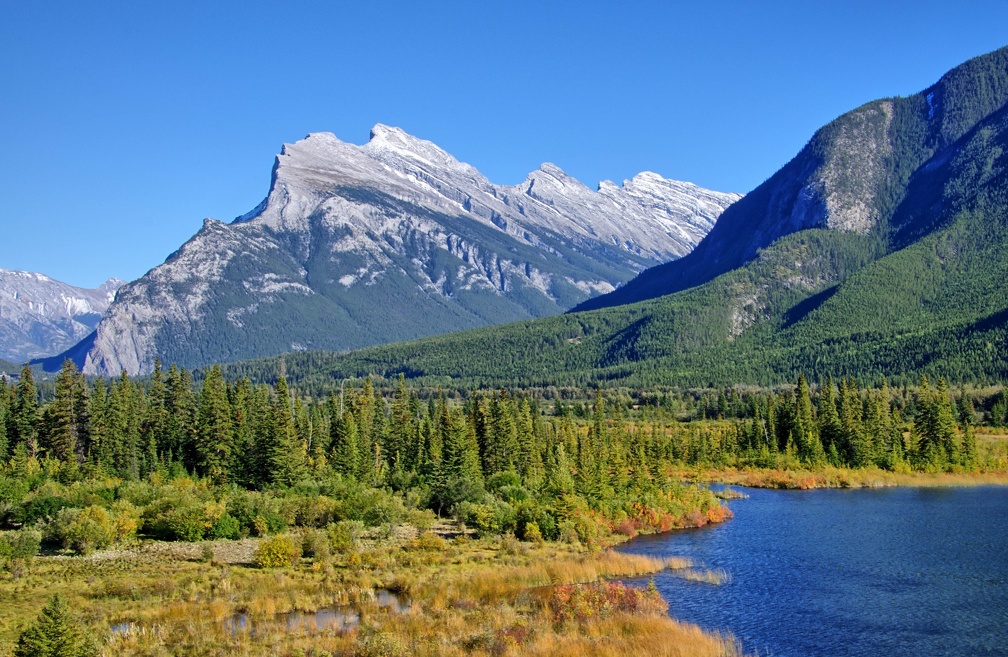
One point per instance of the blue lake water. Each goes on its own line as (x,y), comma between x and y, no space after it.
(892,572)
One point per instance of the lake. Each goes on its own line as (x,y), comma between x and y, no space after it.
(901,571)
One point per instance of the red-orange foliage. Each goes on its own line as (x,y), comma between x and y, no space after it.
(586,602)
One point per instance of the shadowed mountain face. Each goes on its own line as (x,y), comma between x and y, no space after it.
(40,316)
(392,240)
(851,177)
(880,250)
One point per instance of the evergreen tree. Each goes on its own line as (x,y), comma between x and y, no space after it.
(155,422)
(123,426)
(61,428)
(26,412)
(99,448)
(830,430)
(214,438)
(287,456)
(243,469)
(399,447)
(180,403)
(345,442)
(810,447)
(54,634)
(4,413)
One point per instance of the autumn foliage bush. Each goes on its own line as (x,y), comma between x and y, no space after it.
(582,603)
(276,552)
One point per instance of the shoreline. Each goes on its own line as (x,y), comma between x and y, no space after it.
(838,478)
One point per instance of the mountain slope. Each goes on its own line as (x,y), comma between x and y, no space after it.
(40,316)
(850,177)
(920,291)
(395,239)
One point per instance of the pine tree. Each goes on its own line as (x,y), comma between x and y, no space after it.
(26,412)
(155,421)
(214,438)
(60,440)
(810,447)
(54,634)
(287,456)
(345,442)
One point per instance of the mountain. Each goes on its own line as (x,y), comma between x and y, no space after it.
(40,316)
(851,177)
(392,240)
(879,251)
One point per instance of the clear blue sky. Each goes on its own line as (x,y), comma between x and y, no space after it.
(122,125)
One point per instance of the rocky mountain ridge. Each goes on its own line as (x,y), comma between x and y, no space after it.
(391,240)
(40,316)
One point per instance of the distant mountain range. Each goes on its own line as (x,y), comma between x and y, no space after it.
(393,240)
(40,316)
(880,250)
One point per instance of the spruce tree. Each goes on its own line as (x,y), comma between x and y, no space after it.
(345,442)
(61,430)
(830,430)
(4,411)
(287,456)
(155,421)
(54,634)
(26,412)
(214,438)
(810,448)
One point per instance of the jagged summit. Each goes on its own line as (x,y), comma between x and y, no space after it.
(40,316)
(389,240)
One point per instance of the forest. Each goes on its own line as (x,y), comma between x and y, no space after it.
(328,480)
(500,461)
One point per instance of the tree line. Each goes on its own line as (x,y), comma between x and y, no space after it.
(261,436)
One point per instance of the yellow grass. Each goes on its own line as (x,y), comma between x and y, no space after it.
(477,597)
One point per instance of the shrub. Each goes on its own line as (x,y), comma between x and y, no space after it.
(91,529)
(430,541)
(40,508)
(186,523)
(532,532)
(126,520)
(226,527)
(276,552)
(343,535)
(315,544)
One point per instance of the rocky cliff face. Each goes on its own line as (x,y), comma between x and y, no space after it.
(849,178)
(40,316)
(395,239)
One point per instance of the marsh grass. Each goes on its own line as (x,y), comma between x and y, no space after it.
(467,597)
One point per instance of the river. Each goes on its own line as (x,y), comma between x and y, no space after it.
(890,572)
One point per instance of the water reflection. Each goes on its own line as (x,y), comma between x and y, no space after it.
(343,618)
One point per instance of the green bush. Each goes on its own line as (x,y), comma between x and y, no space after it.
(40,508)
(90,529)
(315,544)
(227,527)
(344,535)
(276,552)
(187,523)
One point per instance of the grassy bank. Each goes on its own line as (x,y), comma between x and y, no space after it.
(831,477)
(467,596)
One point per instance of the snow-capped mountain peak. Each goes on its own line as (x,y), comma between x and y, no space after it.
(390,240)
